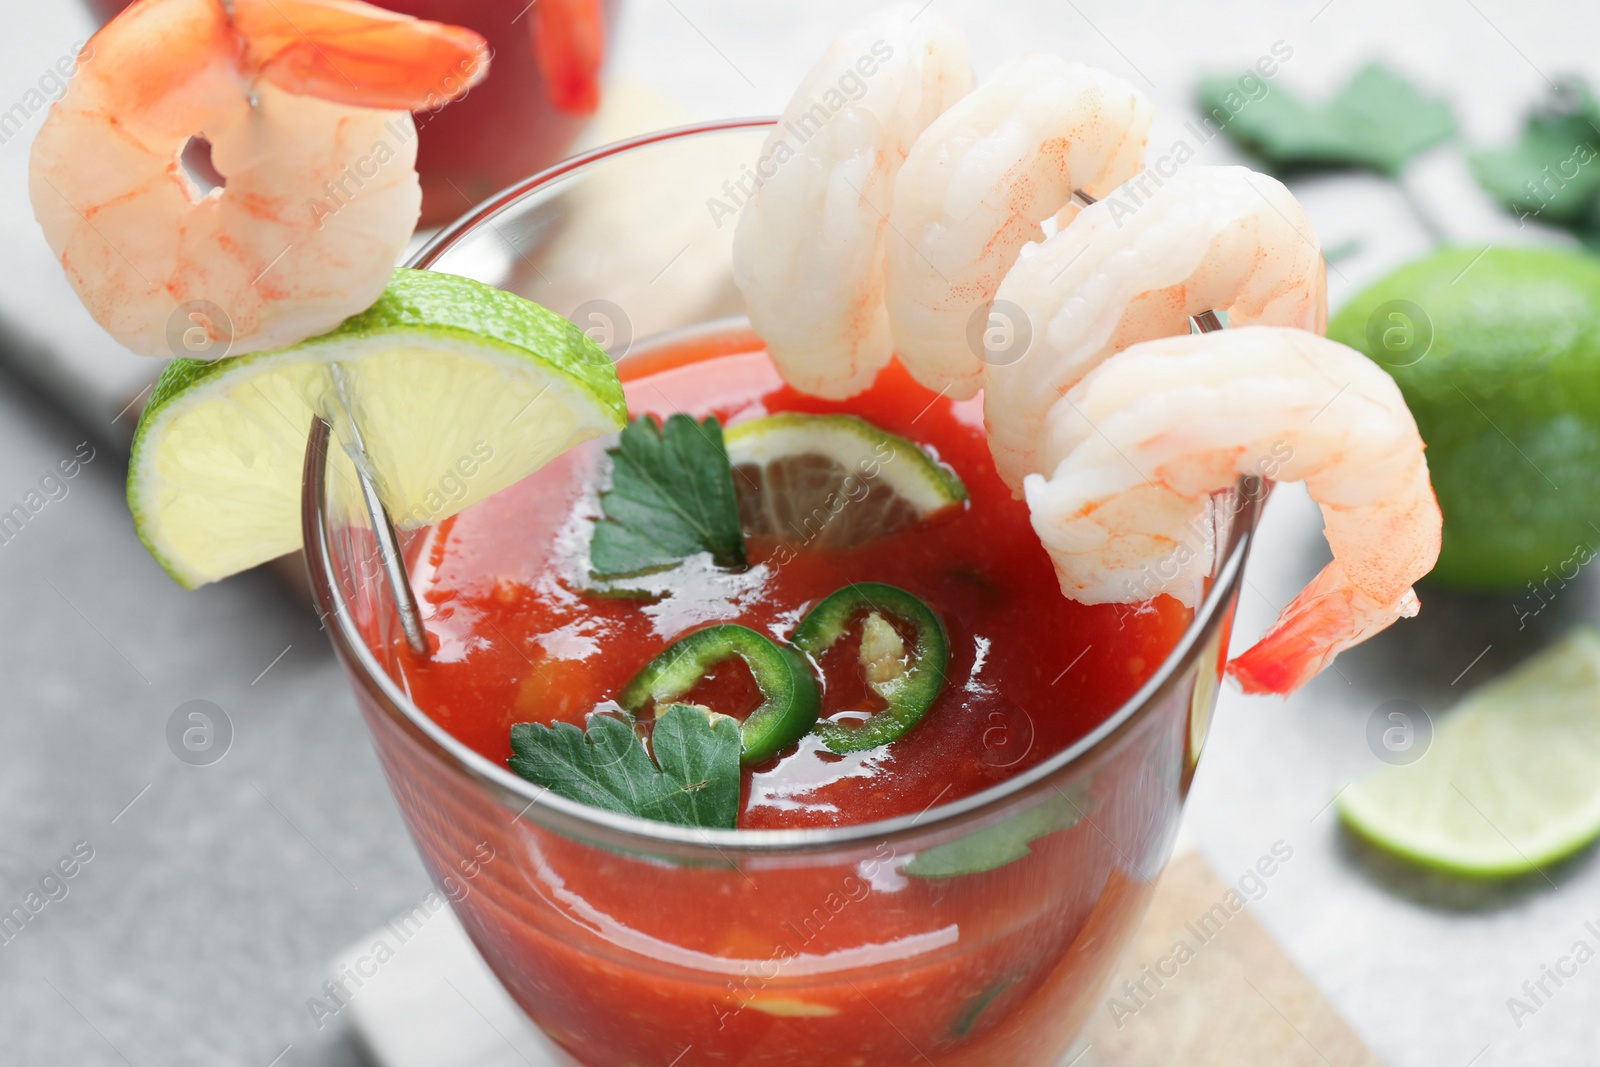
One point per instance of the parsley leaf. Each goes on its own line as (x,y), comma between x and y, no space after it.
(1547,173)
(1000,844)
(671,497)
(1377,121)
(693,780)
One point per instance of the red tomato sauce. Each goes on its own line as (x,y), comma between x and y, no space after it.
(518,639)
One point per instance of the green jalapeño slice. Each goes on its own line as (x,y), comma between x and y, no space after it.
(907,682)
(790,699)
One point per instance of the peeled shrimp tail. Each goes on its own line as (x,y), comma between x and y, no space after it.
(1329,616)
(1139,447)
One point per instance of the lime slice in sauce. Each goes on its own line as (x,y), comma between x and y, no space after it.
(833,481)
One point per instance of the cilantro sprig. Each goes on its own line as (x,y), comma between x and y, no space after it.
(1378,121)
(1549,171)
(671,497)
(693,779)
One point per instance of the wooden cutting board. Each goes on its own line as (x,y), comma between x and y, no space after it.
(1203,986)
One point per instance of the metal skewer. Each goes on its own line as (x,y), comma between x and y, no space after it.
(343,421)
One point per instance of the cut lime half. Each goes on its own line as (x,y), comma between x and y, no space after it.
(1512,780)
(833,480)
(458,389)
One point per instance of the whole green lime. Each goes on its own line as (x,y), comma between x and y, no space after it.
(1498,355)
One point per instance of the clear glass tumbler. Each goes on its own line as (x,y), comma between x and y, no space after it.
(977,933)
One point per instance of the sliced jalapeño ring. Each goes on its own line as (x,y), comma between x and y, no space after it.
(790,698)
(907,685)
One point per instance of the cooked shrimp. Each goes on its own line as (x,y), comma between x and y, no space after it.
(809,249)
(1136,266)
(1136,449)
(976,187)
(305,104)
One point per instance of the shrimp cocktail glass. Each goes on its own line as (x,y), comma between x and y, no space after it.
(944,867)
(797,650)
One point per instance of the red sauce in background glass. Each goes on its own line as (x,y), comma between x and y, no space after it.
(1030,672)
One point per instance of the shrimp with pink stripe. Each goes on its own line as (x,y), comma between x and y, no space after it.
(1133,453)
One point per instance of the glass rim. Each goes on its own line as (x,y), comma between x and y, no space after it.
(627,831)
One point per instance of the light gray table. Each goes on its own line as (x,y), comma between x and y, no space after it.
(216,895)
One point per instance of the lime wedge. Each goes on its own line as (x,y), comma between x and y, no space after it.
(833,480)
(1512,780)
(459,390)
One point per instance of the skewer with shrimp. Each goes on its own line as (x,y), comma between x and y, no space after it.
(1111,367)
